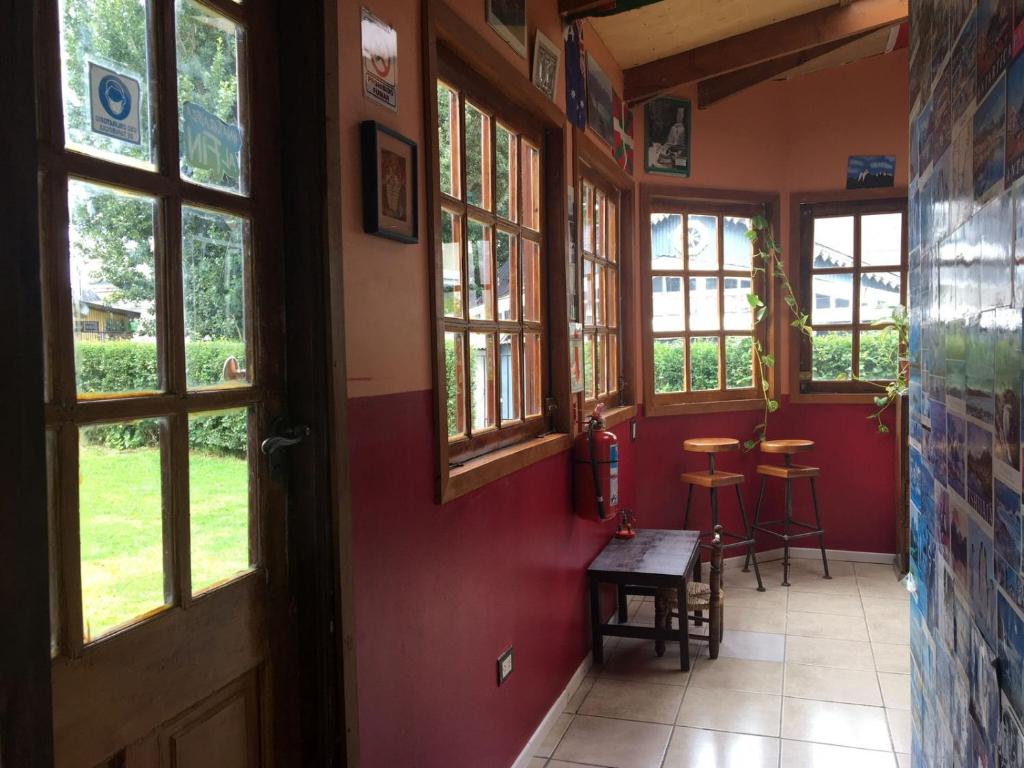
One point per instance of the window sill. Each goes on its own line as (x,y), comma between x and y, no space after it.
(713,406)
(620,413)
(834,398)
(478,472)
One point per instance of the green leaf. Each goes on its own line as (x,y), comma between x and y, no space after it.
(881,402)
(768,360)
(749,444)
(761,312)
(754,300)
(773,406)
(882,429)
(790,301)
(760,222)
(764,385)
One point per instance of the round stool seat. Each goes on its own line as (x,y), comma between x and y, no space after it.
(787,446)
(711,444)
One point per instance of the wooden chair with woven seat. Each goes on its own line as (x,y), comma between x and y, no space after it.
(789,472)
(700,598)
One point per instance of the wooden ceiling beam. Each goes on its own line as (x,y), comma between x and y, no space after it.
(577,8)
(763,44)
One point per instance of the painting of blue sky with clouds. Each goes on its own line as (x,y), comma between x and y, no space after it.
(870,171)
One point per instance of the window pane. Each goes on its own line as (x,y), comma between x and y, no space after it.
(832,355)
(113,290)
(833,242)
(704,363)
(833,299)
(448,139)
(213,253)
(738,314)
(613,231)
(666,241)
(704,304)
(532,380)
(590,375)
(613,363)
(451,263)
(218,496)
(668,366)
(599,315)
(478,158)
(603,385)
(588,218)
(531,281)
(739,362)
(599,223)
(121,524)
(508,276)
(611,280)
(105,67)
(481,379)
(879,352)
(588,292)
(212,133)
(507,173)
(667,304)
(702,242)
(879,295)
(738,249)
(881,238)
(481,279)
(511,376)
(455,382)
(531,186)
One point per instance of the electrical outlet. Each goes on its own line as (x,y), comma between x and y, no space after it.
(505,665)
(632,430)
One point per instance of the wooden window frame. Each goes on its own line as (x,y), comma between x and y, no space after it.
(458,55)
(803,207)
(657,198)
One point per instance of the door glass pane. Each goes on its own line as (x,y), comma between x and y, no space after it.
(599,233)
(105,66)
(668,303)
(448,140)
(508,276)
(602,364)
(588,218)
(704,363)
(666,241)
(507,173)
(833,299)
(612,296)
(455,380)
(833,242)
(481,379)
(879,352)
(613,363)
(213,125)
(451,258)
(588,292)
(532,374)
(121,524)
(832,355)
(218,496)
(702,242)
(531,281)
(531,186)
(113,290)
(704,304)
(613,231)
(510,367)
(478,158)
(481,277)
(669,356)
(881,238)
(879,295)
(739,362)
(738,315)
(590,374)
(213,268)
(738,248)
(599,317)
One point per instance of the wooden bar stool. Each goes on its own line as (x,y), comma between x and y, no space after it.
(713,481)
(790,472)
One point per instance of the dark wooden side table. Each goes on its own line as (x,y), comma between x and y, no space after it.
(654,558)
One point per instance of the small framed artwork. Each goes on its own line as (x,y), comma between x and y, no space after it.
(667,136)
(599,102)
(508,19)
(870,171)
(546,60)
(390,189)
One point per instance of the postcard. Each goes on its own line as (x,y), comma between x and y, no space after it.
(1011,652)
(990,143)
(995,39)
(956,451)
(979,470)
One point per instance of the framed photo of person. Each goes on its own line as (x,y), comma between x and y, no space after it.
(390,189)
(546,60)
(667,136)
(508,19)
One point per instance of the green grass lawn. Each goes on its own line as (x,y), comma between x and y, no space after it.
(122,539)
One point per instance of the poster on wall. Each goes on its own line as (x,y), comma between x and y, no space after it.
(1011,738)
(600,106)
(870,171)
(380,61)
(1015,121)
(575,357)
(964,65)
(508,19)
(990,143)
(995,42)
(1018,26)
(1011,652)
(575,75)
(667,136)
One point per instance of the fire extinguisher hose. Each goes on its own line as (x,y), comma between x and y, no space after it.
(593,468)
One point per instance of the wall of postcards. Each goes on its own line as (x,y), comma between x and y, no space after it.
(966,296)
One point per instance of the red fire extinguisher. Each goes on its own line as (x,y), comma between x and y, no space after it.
(596,456)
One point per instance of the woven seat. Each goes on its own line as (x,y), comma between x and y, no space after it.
(698,602)
(698,596)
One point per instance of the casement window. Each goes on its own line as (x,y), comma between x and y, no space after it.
(853,274)
(699,325)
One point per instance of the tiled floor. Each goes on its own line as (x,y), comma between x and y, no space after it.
(816,675)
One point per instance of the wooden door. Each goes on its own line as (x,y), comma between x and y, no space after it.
(163,313)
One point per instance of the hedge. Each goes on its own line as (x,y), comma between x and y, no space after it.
(131,366)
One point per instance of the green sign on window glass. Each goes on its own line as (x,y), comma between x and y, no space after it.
(210,143)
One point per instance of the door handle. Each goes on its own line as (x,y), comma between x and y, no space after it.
(282,436)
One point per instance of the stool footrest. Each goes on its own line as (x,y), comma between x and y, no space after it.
(790,536)
(800,523)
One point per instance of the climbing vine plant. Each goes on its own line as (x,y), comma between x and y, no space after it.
(899,324)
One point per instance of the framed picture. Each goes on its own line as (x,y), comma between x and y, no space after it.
(667,136)
(389,184)
(546,60)
(599,102)
(870,171)
(380,61)
(508,19)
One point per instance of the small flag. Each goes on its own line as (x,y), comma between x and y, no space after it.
(575,75)
(623,150)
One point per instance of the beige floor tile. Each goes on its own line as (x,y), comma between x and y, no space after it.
(888,629)
(736,711)
(876,571)
(812,602)
(812,582)
(758,646)
(826,625)
(649,702)
(755,620)
(845,725)
(642,614)
(739,599)
(827,652)
(580,694)
(892,657)
(848,686)
(804,754)
(547,747)
(537,762)
(614,743)
(738,675)
(733,576)
(563,764)
(900,726)
(692,747)
(903,759)
(639,664)
(812,565)
(885,589)
(895,690)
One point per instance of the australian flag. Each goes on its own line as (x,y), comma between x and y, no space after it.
(575,75)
